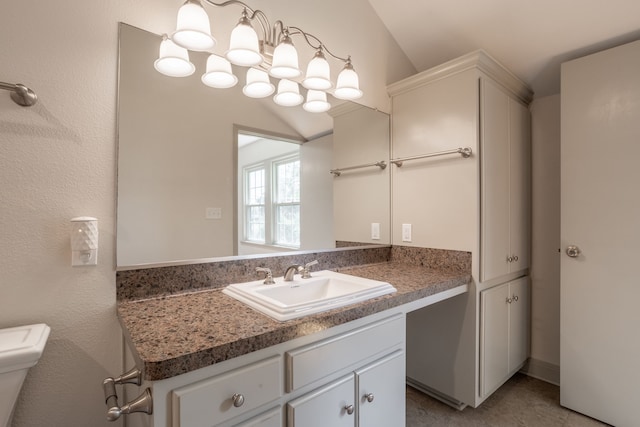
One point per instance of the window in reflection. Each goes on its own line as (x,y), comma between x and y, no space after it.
(271,174)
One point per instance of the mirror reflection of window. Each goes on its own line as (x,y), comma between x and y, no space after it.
(271,176)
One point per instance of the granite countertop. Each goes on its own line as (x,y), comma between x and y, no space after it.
(176,334)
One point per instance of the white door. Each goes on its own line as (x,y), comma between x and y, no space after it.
(600,287)
(333,405)
(380,389)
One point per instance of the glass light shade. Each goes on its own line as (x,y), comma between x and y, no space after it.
(173,60)
(288,94)
(258,84)
(348,86)
(316,102)
(244,47)
(219,73)
(318,75)
(193,30)
(285,61)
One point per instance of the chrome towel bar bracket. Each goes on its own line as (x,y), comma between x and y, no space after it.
(142,403)
(464,152)
(20,94)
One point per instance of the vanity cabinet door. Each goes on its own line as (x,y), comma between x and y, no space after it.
(380,388)
(494,339)
(333,405)
(504,339)
(505,183)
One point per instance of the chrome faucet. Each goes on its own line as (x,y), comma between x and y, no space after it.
(297,268)
(291,271)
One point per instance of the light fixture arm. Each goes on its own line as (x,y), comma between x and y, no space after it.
(254,14)
(271,34)
(318,46)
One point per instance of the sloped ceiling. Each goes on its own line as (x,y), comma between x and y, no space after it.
(530,37)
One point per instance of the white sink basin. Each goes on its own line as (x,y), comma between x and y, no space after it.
(325,290)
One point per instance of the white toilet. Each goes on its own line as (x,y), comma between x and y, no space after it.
(20,349)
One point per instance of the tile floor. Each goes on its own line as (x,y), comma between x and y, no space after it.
(521,402)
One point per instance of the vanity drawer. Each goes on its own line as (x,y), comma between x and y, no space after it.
(310,363)
(210,401)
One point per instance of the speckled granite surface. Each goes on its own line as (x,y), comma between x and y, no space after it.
(175,334)
(162,281)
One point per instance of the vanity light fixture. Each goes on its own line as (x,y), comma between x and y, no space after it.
(173,60)
(316,102)
(269,52)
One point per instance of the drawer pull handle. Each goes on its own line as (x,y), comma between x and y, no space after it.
(369,397)
(238,400)
(349,409)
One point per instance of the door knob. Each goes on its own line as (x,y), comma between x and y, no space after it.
(573,251)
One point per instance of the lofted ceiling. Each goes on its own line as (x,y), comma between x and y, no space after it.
(530,37)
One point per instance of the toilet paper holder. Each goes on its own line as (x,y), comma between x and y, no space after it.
(142,403)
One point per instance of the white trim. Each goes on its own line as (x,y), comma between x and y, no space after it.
(542,370)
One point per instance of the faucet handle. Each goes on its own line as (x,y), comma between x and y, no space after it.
(306,274)
(268,280)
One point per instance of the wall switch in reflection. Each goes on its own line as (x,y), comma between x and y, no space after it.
(375,231)
(213,213)
(406,232)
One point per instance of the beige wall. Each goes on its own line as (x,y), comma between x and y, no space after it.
(545,259)
(58,161)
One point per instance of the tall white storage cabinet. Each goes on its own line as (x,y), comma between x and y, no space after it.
(464,348)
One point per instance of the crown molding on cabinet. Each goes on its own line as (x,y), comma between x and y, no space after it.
(478,59)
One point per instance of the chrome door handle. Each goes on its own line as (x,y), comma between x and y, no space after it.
(573,251)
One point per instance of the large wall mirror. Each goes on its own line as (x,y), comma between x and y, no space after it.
(186,153)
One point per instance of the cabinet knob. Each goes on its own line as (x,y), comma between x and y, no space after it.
(238,400)
(515,298)
(369,397)
(349,409)
(515,257)
(509,300)
(509,258)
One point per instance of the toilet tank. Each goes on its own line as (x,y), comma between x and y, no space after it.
(20,349)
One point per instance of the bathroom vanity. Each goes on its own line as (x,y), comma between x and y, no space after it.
(211,360)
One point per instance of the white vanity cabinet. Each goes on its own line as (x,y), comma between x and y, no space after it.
(479,204)
(505,182)
(372,396)
(348,374)
(504,336)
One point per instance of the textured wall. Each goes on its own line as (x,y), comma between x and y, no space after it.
(545,225)
(58,161)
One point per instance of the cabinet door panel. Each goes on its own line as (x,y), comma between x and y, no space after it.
(380,390)
(494,345)
(520,185)
(324,407)
(494,181)
(518,323)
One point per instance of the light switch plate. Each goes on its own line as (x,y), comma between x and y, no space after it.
(375,231)
(406,232)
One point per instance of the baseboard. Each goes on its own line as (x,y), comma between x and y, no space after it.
(542,370)
(447,400)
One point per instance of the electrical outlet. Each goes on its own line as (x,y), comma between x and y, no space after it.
(375,231)
(213,213)
(406,232)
